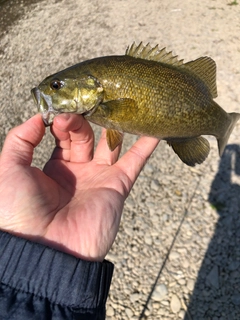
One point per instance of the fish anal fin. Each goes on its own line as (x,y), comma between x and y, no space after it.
(205,68)
(114,138)
(191,151)
(154,54)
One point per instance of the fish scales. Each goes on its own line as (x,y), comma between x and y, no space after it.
(145,92)
(159,93)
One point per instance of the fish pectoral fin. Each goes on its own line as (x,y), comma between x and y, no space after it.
(191,151)
(118,105)
(114,138)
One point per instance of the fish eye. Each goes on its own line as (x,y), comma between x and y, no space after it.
(56,84)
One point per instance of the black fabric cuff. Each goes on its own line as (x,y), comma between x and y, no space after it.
(48,273)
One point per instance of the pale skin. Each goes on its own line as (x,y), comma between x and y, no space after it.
(75,204)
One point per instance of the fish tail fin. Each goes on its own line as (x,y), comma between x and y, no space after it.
(222,141)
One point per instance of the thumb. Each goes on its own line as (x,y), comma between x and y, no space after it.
(21,141)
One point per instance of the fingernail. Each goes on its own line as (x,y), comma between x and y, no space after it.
(65,116)
(60,117)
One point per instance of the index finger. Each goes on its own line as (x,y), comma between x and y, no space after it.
(74,138)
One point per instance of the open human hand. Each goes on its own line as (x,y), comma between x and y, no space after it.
(75,203)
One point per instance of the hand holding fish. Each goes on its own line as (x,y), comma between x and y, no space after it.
(75,203)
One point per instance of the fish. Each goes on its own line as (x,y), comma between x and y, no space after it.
(147,92)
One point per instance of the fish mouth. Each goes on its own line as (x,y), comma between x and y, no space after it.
(44,105)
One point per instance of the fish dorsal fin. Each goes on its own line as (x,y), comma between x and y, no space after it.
(205,69)
(155,54)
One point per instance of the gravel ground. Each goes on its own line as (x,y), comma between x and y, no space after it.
(177,255)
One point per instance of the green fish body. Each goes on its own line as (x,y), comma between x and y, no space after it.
(145,92)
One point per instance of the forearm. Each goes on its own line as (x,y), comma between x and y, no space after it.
(43,282)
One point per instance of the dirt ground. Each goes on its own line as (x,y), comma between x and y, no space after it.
(176,255)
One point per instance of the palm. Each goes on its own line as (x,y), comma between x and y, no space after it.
(87,219)
(75,204)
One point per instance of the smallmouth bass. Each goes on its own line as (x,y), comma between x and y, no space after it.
(147,91)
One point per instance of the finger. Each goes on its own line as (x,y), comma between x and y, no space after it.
(74,138)
(132,162)
(21,141)
(103,154)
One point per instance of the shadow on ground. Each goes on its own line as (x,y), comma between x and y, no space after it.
(217,290)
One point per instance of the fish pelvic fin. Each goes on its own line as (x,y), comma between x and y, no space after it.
(154,54)
(191,151)
(205,68)
(222,141)
(114,138)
